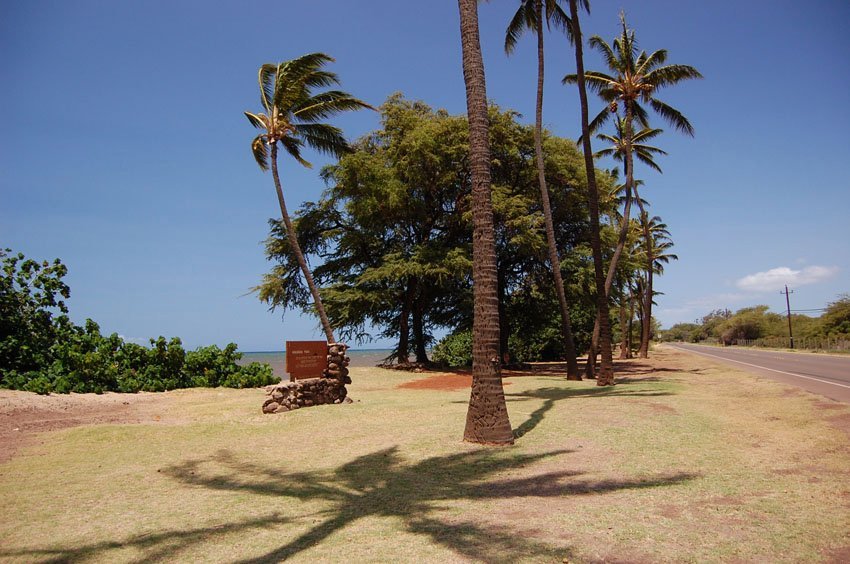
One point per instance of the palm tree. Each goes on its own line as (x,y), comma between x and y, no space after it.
(657,243)
(635,78)
(487,417)
(529,16)
(606,371)
(621,150)
(291,115)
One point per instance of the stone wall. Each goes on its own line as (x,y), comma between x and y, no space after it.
(330,388)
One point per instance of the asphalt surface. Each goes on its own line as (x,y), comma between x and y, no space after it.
(822,374)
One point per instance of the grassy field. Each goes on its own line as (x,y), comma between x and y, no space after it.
(682,461)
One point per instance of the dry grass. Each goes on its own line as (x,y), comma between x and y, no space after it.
(682,461)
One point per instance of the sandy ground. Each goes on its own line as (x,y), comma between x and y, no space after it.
(23,415)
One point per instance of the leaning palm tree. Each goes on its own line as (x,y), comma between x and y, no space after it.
(487,417)
(634,80)
(606,370)
(529,16)
(291,116)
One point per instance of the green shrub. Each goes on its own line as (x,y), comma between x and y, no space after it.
(42,351)
(454,350)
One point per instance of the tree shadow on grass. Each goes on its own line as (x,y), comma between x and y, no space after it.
(379,484)
(158,547)
(552,395)
(384,484)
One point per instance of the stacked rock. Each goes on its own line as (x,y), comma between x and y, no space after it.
(330,388)
(338,363)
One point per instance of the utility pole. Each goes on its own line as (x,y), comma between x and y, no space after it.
(788,306)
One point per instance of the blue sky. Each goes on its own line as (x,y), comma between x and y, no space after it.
(124,151)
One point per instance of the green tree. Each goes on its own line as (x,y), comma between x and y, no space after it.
(32,311)
(836,319)
(393,230)
(681,332)
(529,16)
(292,115)
(487,417)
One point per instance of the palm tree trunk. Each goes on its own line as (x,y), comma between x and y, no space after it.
(487,417)
(296,249)
(631,320)
(646,321)
(606,371)
(554,260)
(624,231)
(624,328)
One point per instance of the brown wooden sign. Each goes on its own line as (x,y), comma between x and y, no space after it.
(306,359)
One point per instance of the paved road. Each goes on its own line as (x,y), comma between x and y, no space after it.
(821,374)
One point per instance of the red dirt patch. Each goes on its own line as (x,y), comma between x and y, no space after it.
(23,415)
(440,382)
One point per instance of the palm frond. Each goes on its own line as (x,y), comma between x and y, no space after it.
(605,50)
(524,19)
(260,121)
(600,120)
(267,84)
(673,116)
(293,78)
(326,104)
(640,114)
(670,75)
(260,148)
(646,134)
(556,16)
(609,152)
(324,138)
(646,158)
(293,147)
(646,62)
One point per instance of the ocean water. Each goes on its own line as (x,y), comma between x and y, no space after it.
(277,360)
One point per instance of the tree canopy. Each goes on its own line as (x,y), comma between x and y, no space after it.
(393,230)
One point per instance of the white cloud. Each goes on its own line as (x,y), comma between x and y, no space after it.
(776,278)
(136,340)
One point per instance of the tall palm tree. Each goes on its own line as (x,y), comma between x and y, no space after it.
(529,16)
(657,243)
(487,417)
(635,78)
(606,370)
(292,112)
(622,150)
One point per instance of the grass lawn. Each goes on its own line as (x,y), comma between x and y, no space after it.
(683,461)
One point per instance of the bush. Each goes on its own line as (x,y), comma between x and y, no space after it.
(454,350)
(42,351)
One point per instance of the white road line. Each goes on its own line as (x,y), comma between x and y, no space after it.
(762,367)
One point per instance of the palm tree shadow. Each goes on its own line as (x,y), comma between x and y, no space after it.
(384,484)
(379,484)
(555,394)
